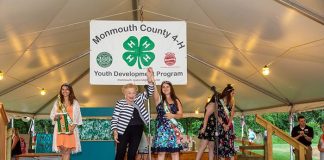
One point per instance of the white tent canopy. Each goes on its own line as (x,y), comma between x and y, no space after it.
(46,43)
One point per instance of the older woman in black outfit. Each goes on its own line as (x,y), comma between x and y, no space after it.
(129,118)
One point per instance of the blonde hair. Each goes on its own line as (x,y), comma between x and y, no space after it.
(129,85)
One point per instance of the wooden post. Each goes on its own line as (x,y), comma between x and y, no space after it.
(269,142)
(3,132)
(265,139)
(302,153)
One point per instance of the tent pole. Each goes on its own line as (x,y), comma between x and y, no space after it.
(149,127)
(291,125)
(12,122)
(242,125)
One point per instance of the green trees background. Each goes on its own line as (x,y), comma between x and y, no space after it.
(281,120)
(191,125)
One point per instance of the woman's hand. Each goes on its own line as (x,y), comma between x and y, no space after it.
(202,130)
(169,115)
(150,75)
(116,136)
(71,128)
(220,120)
(226,127)
(57,117)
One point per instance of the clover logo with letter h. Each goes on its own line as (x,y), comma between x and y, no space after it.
(138,52)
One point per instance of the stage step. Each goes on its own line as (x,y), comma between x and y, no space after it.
(248,157)
(252,147)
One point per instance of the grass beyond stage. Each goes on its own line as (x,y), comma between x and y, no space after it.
(282,152)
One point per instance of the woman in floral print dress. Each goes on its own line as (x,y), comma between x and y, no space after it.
(168,108)
(207,131)
(225,128)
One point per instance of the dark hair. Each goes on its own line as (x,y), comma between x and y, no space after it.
(212,99)
(226,92)
(172,93)
(300,117)
(71,96)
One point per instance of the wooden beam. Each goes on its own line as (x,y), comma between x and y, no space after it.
(254,147)
(3,132)
(3,114)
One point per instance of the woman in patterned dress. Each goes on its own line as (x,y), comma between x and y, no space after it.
(165,139)
(225,128)
(66,143)
(207,130)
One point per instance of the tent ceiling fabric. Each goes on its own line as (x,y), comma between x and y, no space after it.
(46,43)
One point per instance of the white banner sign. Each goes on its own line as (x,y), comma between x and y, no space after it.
(121,52)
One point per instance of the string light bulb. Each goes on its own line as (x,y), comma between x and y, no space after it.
(196,111)
(265,70)
(1,75)
(43,92)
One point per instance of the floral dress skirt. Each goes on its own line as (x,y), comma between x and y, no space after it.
(165,139)
(209,133)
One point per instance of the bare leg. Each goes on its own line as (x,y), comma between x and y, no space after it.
(63,150)
(203,144)
(175,156)
(161,155)
(211,145)
(68,154)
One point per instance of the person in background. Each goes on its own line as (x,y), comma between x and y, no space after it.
(251,135)
(304,134)
(23,145)
(66,103)
(129,118)
(225,129)
(207,130)
(320,145)
(169,108)
(15,145)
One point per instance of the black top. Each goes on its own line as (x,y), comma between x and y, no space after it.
(17,149)
(136,119)
(307,130)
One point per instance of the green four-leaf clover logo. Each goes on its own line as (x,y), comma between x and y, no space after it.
(138,52)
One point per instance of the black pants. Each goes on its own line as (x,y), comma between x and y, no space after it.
(132,136)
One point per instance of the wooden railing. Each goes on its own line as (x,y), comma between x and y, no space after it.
(271,129)
(246,148)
